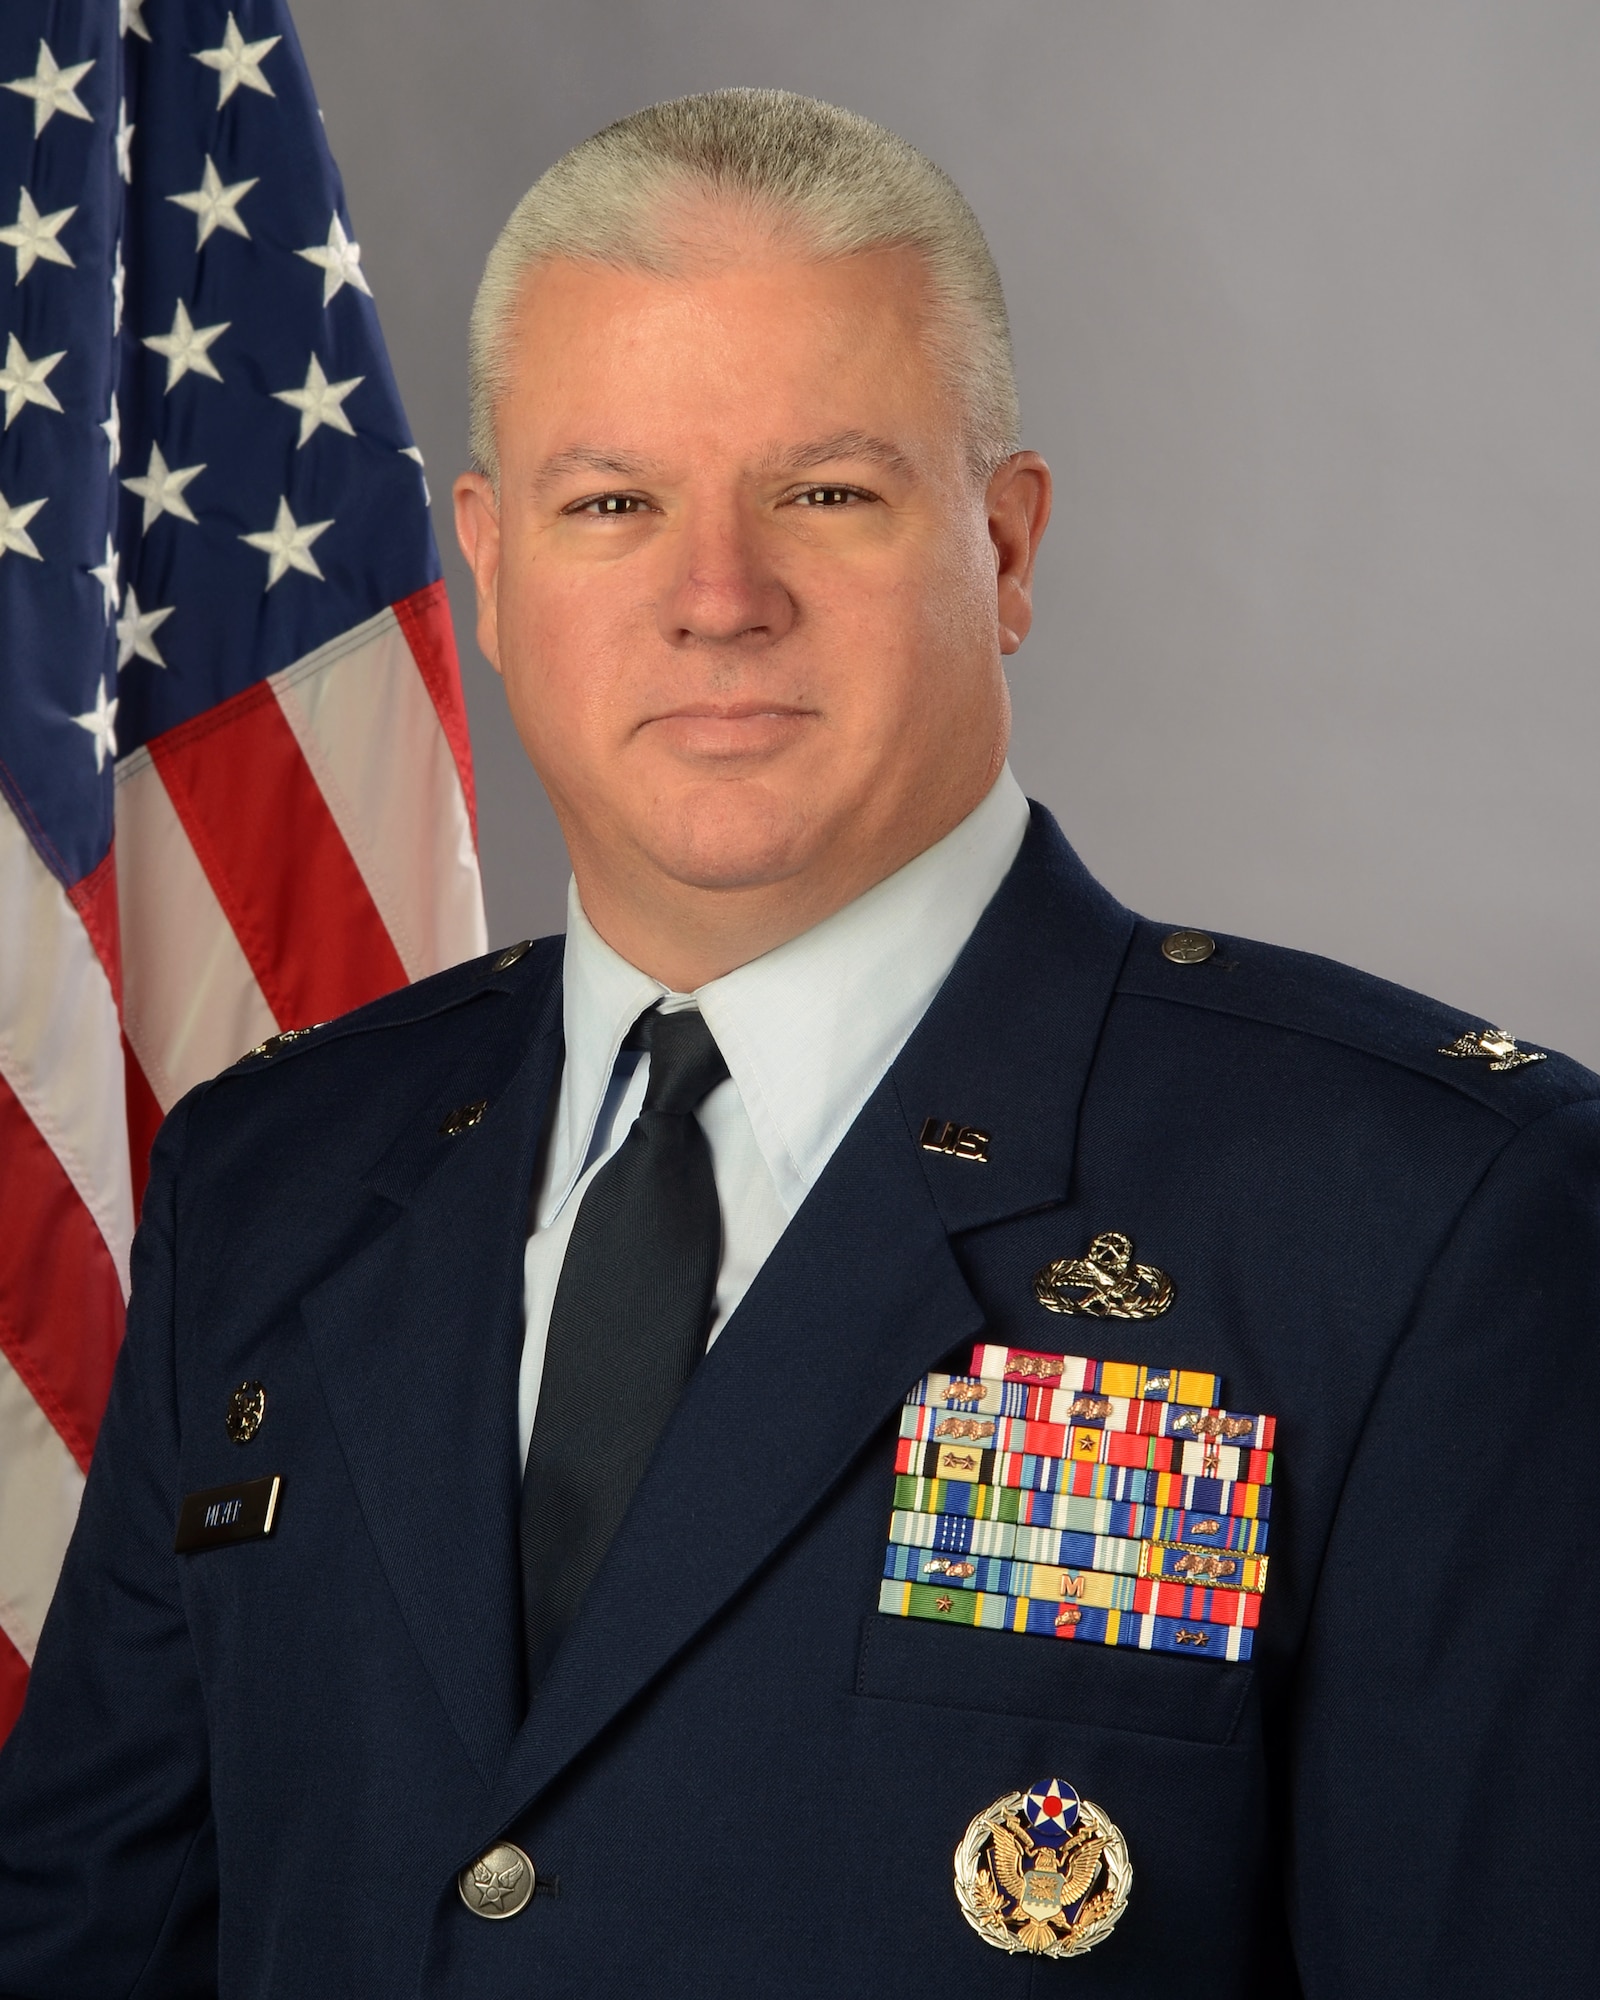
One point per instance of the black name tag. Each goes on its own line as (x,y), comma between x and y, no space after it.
(224,1514)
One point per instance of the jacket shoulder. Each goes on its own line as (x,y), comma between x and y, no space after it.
(525,970)
(1319,999)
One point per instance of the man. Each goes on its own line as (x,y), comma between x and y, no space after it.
(567,1600)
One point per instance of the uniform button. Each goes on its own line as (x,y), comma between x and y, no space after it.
(1187,947)
(511,954)
(498,1883)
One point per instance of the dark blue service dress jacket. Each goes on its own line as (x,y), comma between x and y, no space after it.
(257,1770)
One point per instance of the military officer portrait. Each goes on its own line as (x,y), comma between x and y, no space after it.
(867,1421)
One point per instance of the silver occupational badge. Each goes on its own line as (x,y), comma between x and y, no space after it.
(1104,1283)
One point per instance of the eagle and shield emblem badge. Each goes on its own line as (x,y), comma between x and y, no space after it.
(1043,1871)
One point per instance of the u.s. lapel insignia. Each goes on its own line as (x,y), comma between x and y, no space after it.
(959,1142)
(1104,1283)
(1494,1046)
(1043,1871)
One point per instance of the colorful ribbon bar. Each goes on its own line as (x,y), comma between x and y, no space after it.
(951,1534)
(915,1538)
(1104,1501)
(1089,1515)
(1048,1471)
(1149,1631)
(938,1423)
(1210,1500)
(1000,1538)
(1104,1590)
(1218,1569)
(1106,1378)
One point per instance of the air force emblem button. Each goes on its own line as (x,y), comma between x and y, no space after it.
(498,1883)
(1043,1871)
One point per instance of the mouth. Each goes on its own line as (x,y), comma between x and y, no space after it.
(719,730)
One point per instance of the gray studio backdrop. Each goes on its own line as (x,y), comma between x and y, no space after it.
(1305,300)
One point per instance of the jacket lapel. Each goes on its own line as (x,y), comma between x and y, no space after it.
(863,1291)
(897,1286)
(1009,1042)
(417,1340)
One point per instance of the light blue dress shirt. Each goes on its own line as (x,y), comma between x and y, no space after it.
(807,1030)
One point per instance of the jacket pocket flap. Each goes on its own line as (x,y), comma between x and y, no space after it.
(1004,1673)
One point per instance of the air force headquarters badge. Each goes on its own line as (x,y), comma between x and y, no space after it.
(1043,1871)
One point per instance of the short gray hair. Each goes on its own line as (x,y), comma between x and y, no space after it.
(841,183)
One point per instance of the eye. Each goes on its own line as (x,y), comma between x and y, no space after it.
(607,506)
(828,496)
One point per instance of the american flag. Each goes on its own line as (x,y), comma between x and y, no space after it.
(235,786)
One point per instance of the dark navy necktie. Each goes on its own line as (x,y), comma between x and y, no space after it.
(631,1314)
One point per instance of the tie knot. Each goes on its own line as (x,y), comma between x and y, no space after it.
(685,1063)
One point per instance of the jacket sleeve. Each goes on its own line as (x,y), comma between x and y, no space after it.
(1445,1803)
(107,1861)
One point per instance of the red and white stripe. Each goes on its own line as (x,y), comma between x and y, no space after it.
(302,848)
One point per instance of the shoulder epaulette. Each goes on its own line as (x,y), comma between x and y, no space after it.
(1304,994)
(419,1001)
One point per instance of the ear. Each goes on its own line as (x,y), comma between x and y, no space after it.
(1018,500)
(478,532)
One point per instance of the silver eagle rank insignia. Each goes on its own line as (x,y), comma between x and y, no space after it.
(1493,1046)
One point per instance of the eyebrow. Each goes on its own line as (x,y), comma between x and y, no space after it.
(588,458)
(843,444)
(777,459)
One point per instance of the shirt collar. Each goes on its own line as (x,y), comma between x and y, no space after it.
(807,1030)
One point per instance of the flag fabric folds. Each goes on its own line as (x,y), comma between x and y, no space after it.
(235,785)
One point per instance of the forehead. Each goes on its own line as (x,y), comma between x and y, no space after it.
(739,341)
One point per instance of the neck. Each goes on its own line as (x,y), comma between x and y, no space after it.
(687,934)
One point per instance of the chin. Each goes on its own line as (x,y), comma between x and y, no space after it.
(735,838)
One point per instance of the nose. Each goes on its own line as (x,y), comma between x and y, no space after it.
(722,588)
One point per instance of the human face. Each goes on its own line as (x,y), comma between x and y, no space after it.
(747,598)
